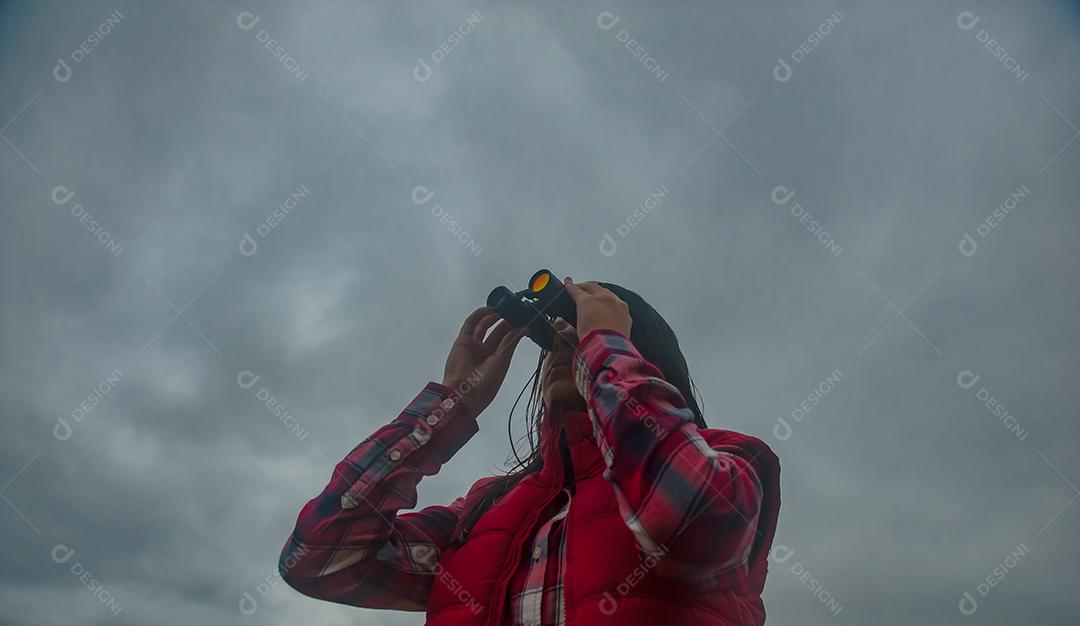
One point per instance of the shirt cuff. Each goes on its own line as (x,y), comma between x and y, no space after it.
(592,353)
(438,414)
(431,429)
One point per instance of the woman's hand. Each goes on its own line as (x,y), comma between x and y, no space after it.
(598,307)
(476,367)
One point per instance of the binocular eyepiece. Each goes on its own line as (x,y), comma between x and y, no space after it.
(535,307)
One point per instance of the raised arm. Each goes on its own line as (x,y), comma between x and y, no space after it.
(692,504)
(689,503)
(350,544)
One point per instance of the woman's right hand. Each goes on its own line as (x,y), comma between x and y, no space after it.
(477,366)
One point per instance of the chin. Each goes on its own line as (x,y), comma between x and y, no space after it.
(564,392)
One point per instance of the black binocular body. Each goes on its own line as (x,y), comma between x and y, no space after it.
(535,307)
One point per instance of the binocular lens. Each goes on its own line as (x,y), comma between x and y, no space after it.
(540,280)
(510,307)
(499,298)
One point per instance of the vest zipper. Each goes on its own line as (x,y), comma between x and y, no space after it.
(497,605)
(566,553)
(569,479)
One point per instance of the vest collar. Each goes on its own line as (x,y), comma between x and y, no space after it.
(575,426)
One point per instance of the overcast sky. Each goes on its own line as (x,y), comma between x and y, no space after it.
(860,219)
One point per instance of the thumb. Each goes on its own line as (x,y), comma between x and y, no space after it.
(573,290)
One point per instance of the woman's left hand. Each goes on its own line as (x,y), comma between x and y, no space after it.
(598,307)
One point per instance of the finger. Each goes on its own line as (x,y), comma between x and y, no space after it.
(473,319)
(565,329)
(484,325)
(497,333)
(510,340)
(572,289)
(591,288)
(567,337)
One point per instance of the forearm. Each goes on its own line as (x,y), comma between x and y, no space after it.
(694,504)
(340,533)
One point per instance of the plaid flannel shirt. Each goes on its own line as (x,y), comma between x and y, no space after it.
(692,506)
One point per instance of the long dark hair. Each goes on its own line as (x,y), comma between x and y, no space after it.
(652,337)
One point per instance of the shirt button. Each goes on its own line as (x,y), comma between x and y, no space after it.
(432,419)
(420,435)
(448,403)
(537,553)
(395,454)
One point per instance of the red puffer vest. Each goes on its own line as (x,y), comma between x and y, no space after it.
(601,553)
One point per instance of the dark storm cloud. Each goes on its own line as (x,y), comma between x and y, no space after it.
(317,194)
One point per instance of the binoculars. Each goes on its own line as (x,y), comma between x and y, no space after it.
(535,307)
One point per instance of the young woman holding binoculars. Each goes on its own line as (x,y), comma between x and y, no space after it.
(629,509)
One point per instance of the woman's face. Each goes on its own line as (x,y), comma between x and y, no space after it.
(556,382)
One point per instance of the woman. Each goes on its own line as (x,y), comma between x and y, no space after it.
(629,510)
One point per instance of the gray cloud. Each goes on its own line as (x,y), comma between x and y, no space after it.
(898,131)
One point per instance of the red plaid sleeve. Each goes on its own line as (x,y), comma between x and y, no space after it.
(350,545)
(692,506)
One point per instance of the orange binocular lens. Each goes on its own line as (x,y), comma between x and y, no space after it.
(540,280)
